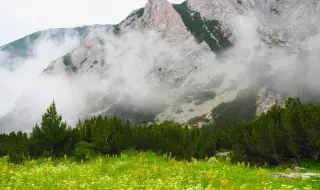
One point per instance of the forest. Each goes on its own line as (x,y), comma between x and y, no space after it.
(285,133)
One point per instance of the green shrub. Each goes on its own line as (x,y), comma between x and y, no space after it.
(16,157)
(84,150)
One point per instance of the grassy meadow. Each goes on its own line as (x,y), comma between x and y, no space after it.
(146,170)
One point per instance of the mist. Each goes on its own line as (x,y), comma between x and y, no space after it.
(143,71)
(18,75)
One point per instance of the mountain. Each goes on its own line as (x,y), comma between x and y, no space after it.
(23,47)
(201,60)
(169,73)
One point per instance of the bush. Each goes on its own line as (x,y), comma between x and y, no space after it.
(46,154)
(84,150)
(15,157)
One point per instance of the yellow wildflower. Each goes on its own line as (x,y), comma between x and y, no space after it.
(244,186)
(155,169)
(210,187)
(4,169)
(211,175)
(224,183)
(139,173)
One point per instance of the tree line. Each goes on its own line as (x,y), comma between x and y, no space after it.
(274,137)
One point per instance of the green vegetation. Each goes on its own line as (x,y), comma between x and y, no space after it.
(197,119)
(116,29)
(243,107)
(283,137)
(278,136)
(196,95)
(227,114)
(144,170)
(135,114)
(203,30)
(69,66)
(140,12)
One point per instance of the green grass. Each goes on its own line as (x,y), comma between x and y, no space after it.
(146,170)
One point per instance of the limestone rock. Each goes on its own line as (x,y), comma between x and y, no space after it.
(295,175)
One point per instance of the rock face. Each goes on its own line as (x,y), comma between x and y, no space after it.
(30,45)
(176,62)
(23,47)
(288,21)
(266,98)
(292,176)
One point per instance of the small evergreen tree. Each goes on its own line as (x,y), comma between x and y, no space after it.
(51,136)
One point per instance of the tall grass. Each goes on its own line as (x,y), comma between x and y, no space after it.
(144,170)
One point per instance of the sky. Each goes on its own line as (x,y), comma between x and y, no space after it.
(19,18)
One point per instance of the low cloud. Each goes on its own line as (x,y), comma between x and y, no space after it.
(142,70)
(18,75)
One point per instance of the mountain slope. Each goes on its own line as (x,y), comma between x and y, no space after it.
(23,47)
(203,30)
(166,55)
(199,58)
(174,67)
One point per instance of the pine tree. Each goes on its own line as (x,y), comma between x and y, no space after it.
(52,133)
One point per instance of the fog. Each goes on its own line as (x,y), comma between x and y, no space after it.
(14,83)
(145,71)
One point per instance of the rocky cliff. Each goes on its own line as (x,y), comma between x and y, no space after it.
(180,61)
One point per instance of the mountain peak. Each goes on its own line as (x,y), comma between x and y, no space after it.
(170,45)
(157,1)
(161,16)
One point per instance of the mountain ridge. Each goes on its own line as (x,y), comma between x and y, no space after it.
(186,59)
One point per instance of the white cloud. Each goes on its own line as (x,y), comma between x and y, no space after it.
(19,17)
(15,83)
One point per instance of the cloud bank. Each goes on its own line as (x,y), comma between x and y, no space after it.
(145,72)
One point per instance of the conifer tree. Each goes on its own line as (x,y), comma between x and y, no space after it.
(52,132)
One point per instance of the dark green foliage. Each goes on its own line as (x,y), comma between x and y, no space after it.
(198,96)
(203,30)
(132,113)
(69,66)
(140,12)
(53,137)
(278,136)
(15,145)
(242,108)
(83,150)
(204,97)
(116,30)
(197,119)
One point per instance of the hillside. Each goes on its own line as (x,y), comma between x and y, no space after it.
(206,94)
(22,47)
(192,61)
(94,57)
